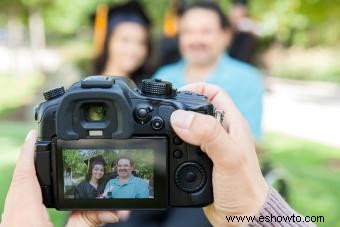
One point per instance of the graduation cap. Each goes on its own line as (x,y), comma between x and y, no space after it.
(94,160)
(240,2)
(107,18)
(131,11)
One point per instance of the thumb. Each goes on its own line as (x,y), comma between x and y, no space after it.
(24,192)
(25,163)
(24,179)
(204,131)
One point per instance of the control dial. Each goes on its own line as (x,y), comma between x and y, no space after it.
(190,177)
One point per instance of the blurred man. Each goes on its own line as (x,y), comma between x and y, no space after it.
(204,35)
(125,185)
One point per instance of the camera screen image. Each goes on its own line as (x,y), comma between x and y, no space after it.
(108,173)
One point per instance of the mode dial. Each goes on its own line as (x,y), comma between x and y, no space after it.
(54,93)
(156,87)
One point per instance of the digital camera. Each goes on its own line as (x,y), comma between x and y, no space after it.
(105,144)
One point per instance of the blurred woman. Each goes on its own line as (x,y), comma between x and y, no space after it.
(125,46)
(93,186)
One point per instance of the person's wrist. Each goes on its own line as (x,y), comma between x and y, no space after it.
(250,198)
(219,219)
(215,216)
(259,198)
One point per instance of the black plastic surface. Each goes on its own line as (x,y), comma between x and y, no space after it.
(62,118)
(43,166)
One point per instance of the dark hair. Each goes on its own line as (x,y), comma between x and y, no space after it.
(124,157)
(101,60)
(224,22)
(89,172)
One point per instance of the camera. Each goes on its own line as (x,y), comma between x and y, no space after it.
(105,144)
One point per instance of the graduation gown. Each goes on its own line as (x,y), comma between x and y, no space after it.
(85,190)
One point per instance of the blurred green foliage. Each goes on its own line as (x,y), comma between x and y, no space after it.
(293,22)
(18,90)
(300,22)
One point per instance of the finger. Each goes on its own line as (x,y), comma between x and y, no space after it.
(205,131)
(123,215)
(108,217)
(24,192)
(25,163)
(24,179)
(91,218)
(218,97)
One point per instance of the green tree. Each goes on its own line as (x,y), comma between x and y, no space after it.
(25,12)
(299,22)
(74,163)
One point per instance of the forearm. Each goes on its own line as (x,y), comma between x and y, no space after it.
(276,212)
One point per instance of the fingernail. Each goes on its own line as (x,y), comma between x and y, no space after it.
(182,118)
(108,217)
(29,135)
(123,215)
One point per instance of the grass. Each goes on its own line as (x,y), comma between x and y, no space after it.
(315,64)
(330,75)
(311,169)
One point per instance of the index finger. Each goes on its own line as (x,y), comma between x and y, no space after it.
(233,122)
(217,96)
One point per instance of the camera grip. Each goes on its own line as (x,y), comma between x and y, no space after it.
(43,171)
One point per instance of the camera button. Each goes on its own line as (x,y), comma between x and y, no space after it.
(190,177)
(142,113)
(178,154)
(176,140)
(157,123)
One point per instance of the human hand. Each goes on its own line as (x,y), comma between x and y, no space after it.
(23,205)
(238,185)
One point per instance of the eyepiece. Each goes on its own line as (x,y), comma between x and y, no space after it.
(95,112)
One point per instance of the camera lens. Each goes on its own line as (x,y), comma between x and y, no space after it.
(95,112)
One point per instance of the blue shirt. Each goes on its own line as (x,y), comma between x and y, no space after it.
(242,82)
(135,187)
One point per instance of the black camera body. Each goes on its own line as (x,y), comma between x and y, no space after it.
(110,116)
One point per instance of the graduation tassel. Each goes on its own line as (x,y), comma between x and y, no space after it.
(100,27)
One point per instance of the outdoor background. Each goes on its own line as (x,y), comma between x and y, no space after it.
(76,169)
(47,43)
